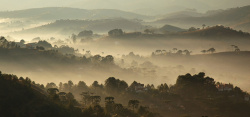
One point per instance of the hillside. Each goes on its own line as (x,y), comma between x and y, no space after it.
(227,17)
(217,32)
(19,99)
(244,26)
(233,14)
(193,95)
(39,64)
(210,33)
(182,14)
(75,26)
(170,28)
(56,13)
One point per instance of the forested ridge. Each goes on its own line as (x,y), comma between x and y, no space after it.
(192,95)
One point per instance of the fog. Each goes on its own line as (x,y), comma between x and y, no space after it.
(171,56)
(225,66)
(139,6)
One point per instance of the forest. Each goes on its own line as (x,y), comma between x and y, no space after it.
(192,95)
(114,58)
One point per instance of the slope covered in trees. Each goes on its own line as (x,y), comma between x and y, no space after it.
(217,32)
(67,27)
(19,99)
(22,97)
(192,95)
(169,28)
(229,17)
(209,33)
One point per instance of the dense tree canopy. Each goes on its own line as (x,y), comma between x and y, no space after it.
(115,32)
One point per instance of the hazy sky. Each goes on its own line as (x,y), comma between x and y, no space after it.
(127,5)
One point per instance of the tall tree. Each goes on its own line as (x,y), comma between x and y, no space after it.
(95,100)
(203,26)
(174,49)
(109,103)
(204,51)
(211,50)
(115,32)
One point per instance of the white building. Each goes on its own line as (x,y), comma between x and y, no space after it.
(140,88)
(225,87)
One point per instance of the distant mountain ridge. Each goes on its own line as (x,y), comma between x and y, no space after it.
(217,32)
(170,28)
(210,33)
(182,14)
(75,26)
(230,17)
(245,26)
(56,13)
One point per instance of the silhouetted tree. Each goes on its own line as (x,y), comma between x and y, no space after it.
(115,32)
(211,50)
(113,85)
(52,91)
(109,59)
(133,103)
(149,31)
(109,104)
(196,85)
(163,88)
(22,41)
(51,85)
(192,29)
(44,44)
(73,37)
(204,51)
(203,26)
(95,100)
(179,52)
(82,86)
(70,83)
(174,49)
(85,33)
(187,52)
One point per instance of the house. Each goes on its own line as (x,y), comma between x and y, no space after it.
(140,88)
(31,45)
(21,45)
(225,87)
